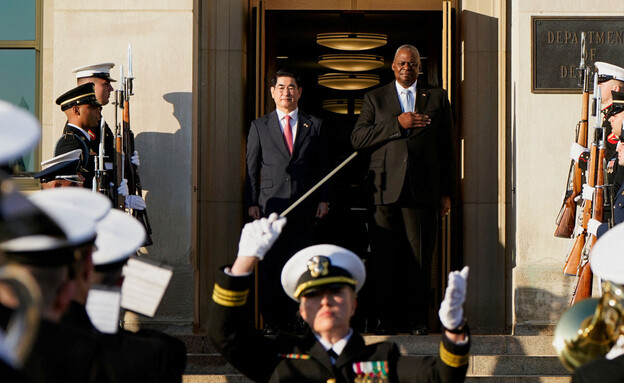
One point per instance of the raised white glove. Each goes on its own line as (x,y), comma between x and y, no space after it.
(592,226)
(451,311)
(135,202)
(134,159)
(258,236)
(588,192)
(123,188)
(576,150)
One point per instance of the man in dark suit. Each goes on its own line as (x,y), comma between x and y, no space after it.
(286,157)
(408,131)
(324,281)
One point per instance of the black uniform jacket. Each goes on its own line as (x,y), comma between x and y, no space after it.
(289,358)
(275,178)
(131,357)
(601,370)
(73,139)
(618,213)
(424,157)
(65,354)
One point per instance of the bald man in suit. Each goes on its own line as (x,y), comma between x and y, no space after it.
(408,131)
(286,156)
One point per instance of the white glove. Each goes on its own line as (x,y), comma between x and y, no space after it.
(451,311)
(258,236)
(135,159)
(135,202)
(592,226)
(123,188)
(588,192)
(576,150)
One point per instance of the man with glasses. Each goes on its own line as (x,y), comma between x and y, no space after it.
(286,157)
(409,131)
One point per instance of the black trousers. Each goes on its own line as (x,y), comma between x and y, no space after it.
(275,306)
(403,242)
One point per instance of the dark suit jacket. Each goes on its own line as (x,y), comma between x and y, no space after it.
(288,358)
(275,179)
(424,157)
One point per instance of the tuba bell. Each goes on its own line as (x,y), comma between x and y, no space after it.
(20,297)
(590,328)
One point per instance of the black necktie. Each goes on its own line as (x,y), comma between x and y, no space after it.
(332,355)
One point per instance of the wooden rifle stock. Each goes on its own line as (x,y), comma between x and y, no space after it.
(574,258)
(120,200)
(584,282)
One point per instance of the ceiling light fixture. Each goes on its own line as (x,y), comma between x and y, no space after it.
(351,41)
(346,81)
(341,105)
(351,62)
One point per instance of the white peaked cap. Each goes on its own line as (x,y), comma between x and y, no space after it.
(101,70)
(69,156)
(119,235)
(607,69)
(19,132)
(78,228)
(89,204)
(607,256)
(297,269)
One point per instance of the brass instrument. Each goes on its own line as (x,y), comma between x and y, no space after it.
(20,293)
(589,328)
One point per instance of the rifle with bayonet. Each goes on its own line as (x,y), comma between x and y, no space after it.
(583,288)
(566,218)
(130,169)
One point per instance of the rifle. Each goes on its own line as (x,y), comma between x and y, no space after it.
(118,163)
(583,288)
(574,258)
(567,214)
(134,182)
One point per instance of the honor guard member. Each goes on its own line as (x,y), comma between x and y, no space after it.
(324,281)
(60,353)
(83,114)
(615,115)
(147,355)
(62,171)
(607,263)
(99,75)
(610,79)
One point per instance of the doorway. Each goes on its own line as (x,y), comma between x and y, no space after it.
(288,39)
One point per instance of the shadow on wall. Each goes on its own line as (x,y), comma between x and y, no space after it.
(165,173)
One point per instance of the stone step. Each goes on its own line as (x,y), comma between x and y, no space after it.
(480,365)
(425,345)
(472,379)
(494,358)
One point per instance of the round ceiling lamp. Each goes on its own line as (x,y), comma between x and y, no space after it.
(341,105)
(347,81)
(351,62)
(351,41)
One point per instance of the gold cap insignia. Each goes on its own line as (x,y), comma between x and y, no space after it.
(318,266)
